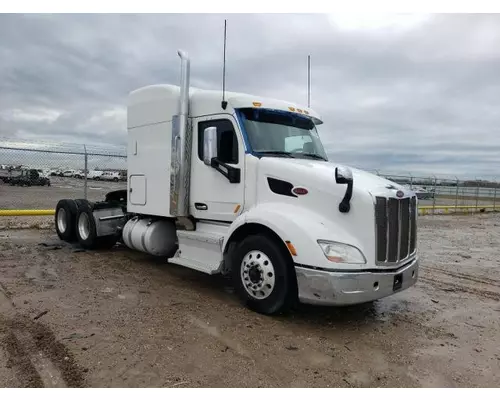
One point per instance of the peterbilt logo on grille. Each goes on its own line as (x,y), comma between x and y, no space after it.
(399,193)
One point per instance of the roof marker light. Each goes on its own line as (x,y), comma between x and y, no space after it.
(256,104)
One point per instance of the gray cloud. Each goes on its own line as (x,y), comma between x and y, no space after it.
(422,99)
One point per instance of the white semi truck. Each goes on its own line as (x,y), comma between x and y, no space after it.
(243,187)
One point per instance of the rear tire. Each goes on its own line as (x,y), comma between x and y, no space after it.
(263,275)
(86,232)
(65,216)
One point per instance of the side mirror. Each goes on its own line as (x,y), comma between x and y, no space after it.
(343,175)
(209,145)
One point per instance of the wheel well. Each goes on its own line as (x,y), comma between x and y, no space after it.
(254,229)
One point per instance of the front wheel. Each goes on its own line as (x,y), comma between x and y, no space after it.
(263,275)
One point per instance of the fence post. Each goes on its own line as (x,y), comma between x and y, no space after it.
(477,192)
(85,173)
(411,181)
(495,197)
(456,196)
(434,197)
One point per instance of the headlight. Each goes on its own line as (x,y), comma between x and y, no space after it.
(341,252)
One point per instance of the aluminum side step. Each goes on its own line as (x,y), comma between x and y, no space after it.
(201,249)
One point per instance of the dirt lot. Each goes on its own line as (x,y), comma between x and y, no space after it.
(123,319)
(44,197)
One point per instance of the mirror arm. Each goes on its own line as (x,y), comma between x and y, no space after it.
(344,176)
(345,204)
(231,173)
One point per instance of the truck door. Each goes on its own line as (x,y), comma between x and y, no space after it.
(212,196)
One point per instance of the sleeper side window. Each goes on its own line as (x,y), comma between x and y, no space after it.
(227,142)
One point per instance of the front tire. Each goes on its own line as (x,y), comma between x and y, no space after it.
(263,275)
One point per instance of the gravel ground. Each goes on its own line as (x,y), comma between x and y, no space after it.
(123,319)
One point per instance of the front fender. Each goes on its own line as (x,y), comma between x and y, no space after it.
(301,227)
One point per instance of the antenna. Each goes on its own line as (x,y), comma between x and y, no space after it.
(309,81)
(224,102)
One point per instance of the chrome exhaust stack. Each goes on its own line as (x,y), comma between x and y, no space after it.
(181,146)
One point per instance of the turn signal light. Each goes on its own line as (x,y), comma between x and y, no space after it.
(291,248)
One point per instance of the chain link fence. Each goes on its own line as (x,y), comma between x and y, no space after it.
(445,195)
(36,175)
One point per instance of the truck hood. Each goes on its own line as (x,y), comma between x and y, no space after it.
(318,173)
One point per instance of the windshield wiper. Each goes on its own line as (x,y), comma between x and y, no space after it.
(315,156)
(277,153)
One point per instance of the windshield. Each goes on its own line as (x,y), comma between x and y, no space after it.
(281,133)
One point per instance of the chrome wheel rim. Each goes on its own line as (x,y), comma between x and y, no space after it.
(61,220)
(257,274)
(84,226)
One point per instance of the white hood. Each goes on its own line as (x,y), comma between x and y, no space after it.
(317,173)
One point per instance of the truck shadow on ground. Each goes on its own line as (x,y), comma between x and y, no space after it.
(219,288)
(215,289)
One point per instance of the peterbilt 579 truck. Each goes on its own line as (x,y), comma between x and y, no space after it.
(243,187)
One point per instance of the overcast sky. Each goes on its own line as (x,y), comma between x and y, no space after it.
(409,93)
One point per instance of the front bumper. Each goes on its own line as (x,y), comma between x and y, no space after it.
(344,288)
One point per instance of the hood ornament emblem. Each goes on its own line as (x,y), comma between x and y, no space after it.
(399,193)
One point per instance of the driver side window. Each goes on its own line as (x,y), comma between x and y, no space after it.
(227,141)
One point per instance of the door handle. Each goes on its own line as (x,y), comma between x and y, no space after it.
(201,206)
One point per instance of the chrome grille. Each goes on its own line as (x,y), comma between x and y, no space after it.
(395,229)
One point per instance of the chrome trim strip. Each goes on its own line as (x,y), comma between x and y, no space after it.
(111,217)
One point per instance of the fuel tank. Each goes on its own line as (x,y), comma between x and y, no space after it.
(155,237)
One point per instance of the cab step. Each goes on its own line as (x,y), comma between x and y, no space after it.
(201,249)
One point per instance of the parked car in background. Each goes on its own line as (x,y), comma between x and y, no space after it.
(110,176)
(29,177)
(45,173)
(94,174)
(80,174)
(68,173)
(421,192)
